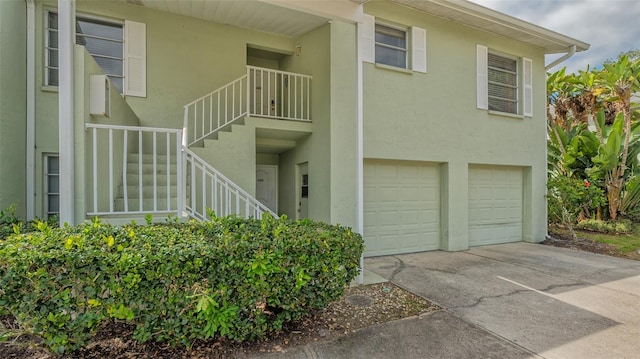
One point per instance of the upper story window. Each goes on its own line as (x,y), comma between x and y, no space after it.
(404,48)
(503,83)
(104,40)
(391,46)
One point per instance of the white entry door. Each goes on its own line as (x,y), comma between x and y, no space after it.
(267,186)
(303,191)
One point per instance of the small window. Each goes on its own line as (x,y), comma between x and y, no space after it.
(391,46)
(52,185)
(503,84)
(103,40)
(305,186)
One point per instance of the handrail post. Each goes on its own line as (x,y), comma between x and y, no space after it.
(248,81)
(181,175)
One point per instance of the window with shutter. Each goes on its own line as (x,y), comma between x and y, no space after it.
(391,46)
(504,83)
(502,77)
(118,52)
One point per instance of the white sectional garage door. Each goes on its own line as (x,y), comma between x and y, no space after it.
(495,205)
(401,207)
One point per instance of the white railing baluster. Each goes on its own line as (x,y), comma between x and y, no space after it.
(269,94)
(155,171)
(216,208)
(140,205)
(181,176)
(288,96)
(193,185)
(226,105)
(168,184)
(211,112)
(111,197)
(308,99)
(95,169)
(203,131)
(204,190)
(124,171)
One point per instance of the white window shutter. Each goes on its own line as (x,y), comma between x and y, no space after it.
(367,38)
(527,74)
(135,69)
(482,86)
(418,49)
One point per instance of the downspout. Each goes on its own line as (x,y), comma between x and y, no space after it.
(31,109)
(66,35)
(360,150)
(572,50)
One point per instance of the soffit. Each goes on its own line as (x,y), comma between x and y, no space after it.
(483,18)
(248,14)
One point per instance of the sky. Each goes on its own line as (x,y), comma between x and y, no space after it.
(609,26)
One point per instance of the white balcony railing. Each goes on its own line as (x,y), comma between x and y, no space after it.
(260,92)
(134,170)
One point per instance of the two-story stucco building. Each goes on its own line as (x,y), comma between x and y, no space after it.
(419,123)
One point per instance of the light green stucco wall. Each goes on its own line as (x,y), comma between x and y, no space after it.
(186,58)
(13,105)
(433,117)
(329,54)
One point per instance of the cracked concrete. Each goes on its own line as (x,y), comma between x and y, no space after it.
(557,303)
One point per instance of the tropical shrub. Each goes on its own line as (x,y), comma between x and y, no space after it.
(176,282)
(570,199)
(593,135)
(618,227)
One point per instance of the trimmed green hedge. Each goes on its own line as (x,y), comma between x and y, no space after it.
(177,281)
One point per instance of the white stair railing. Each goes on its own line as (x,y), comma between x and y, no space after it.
(210,190)
(212,112)
(260,92)
(134,170)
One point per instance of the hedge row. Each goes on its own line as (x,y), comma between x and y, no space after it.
(177,281)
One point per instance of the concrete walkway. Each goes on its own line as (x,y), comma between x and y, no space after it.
(516,300)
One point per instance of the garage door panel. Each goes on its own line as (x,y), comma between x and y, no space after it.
(495,204)
(402,207)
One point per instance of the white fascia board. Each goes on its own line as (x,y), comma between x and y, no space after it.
(556,42)
(345,10)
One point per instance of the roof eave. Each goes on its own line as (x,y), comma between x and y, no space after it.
(493,21)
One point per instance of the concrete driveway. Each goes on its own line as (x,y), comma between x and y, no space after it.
(552,302)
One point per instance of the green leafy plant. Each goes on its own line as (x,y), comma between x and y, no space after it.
(618,227)
(175,282)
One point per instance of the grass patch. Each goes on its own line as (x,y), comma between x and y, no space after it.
(623,245)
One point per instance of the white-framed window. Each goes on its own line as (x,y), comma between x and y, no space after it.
(504,82)
(103,39)
(51,185)
(391,45)
(119,48)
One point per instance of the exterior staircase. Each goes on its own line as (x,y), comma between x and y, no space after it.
(163,171)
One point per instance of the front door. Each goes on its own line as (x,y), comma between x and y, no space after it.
(303,190)
(267,186)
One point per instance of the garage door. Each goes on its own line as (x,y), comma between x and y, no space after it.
(401,207)
(495,205)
